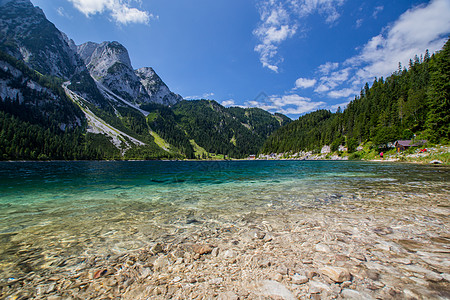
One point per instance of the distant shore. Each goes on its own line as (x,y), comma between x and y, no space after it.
(438,155)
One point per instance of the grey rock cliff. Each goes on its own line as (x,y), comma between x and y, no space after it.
(157,90)
(110,64)
(26,34)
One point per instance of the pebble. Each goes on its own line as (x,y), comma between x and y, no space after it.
(352,294)
(228,254)
(322,248)
(273,289)
(283,270)
(317,287)
(202,249)
(336,274)
(278,277)
(217,280)
(227,296)
(156,249)
(161,263)
(215,252)
(312,253)
(299,279)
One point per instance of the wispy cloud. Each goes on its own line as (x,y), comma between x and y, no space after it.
(280,20)
(292,104)
(359,23)
(275,27)
(327,67)
(343,93)
(229,102)
(377,10)
(419,28)
(203,96)
(62,13)
(120,11)
(304,83)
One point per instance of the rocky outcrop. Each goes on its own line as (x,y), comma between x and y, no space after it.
(157,90)
(26,34)
(109,63)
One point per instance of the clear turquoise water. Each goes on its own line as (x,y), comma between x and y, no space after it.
(73,208)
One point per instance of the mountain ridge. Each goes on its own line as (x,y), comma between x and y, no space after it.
(87,102)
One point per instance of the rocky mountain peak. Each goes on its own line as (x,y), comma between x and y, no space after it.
(26,34)
(156,88)
(99,58)
(110,64)
(16,3)
(146,72)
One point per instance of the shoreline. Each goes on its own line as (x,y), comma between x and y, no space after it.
(230,160)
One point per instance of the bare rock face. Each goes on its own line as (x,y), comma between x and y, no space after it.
(110,65)
(157,90)
(26,34)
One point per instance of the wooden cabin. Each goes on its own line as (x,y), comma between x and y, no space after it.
(405,144)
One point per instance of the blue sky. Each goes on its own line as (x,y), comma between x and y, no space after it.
(291,56)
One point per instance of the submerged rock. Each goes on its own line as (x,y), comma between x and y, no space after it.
(202,249)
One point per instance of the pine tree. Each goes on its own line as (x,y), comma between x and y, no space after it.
(438,119)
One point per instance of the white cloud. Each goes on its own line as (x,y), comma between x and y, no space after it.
(322,88)
(62,13)
(207,95)
(303,83)
(324,7)
(292,104)
(344,93)
(419,28)
(377,10)
(328,67)
(422,27)
(280,20)
(119,10)
(275,28)
(228,103)
(197,97)
(359,23)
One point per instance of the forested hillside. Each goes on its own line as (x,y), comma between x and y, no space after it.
(412,102)
(235,132)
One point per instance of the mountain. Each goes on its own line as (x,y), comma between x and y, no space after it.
(62,101)
(204,127)
(110,65)
(157,90)
(411,103)
(26,34)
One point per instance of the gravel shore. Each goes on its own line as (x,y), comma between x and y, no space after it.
(372,246)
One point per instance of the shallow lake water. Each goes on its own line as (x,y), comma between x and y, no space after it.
(54,211)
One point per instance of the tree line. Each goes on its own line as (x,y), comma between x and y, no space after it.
(411,103)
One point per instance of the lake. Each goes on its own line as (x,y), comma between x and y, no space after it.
(54,211)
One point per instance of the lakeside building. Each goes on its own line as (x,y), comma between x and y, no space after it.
(402,145)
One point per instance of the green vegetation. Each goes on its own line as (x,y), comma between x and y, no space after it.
(41,124)
(21,140)
(410,103)
(216,130)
